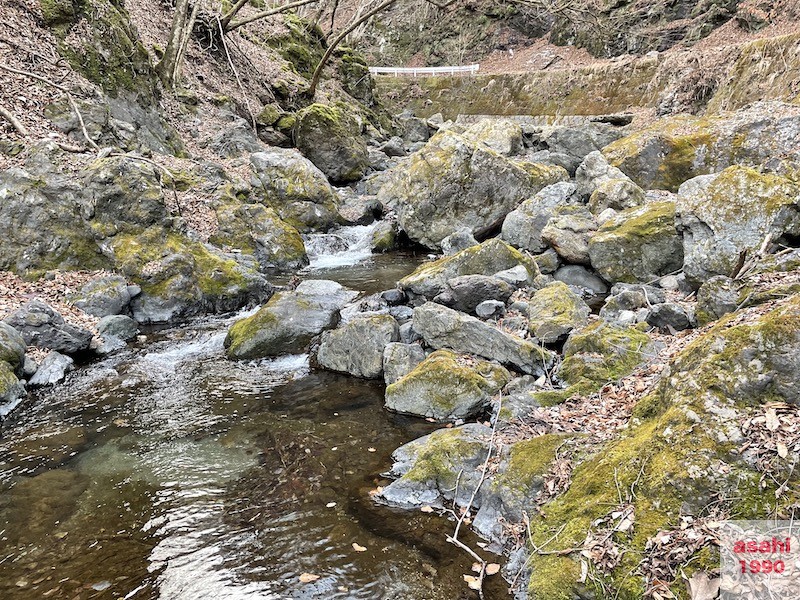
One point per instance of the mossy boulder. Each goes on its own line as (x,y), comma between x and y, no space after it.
(488,258)
(676,149)
(568,232)
(443,327)
(357,346)
(501,135)
(180,277)
(330,136)
(554,311)
(723,215)
(638,245)
(453,183)
(601,352)
(288,321)
(429,467)
(11,388)
(296,189)
(12,347)
(446,387)
(523,226)
(354,76)
(685,453)
(257,230)
(618,194)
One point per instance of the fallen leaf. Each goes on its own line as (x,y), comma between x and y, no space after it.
(476,567)
(492,569)
(359,548)
(308,577)
(370,449)
(703,587)
(473,582)
(377,491)
(427,509)
(783,451)
(772,421)
(330,505)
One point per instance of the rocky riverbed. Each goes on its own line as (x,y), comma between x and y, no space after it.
(601,345)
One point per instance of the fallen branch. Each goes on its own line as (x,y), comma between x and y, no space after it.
(15,123)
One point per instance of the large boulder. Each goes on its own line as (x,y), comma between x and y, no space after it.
(286,323)
(488,258)
(258,230)
(400,359)
(453,183)
(618,194)
(442,327)
(638,245)
(446,387)
(330,137)
(105,296)
(554,311)
(593,172)
(501,135)
(42,326)
(466,292)
(357,346)
(568,232)
(523,226)
(12,347)
(295,188)
(724,215)
(678,148)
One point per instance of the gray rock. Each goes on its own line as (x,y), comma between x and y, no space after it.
(732,212)
(670,317)
(490,309)
(42,326)
(414,129)
(446,387)
(468,291)
(617,194)
(442,327)
(296,189)
(12,347)
(717,297)
(286,323)
(11,388)
(594,171)
(104,296)
(523,226)
(407,333)
(54,368)
(454,183)
(651,294)
(458,241)
(394,147)
(357,347)
(377,160)
(578,276)
(568,232)
(384,236)
(394,296)
(400,359)
(517,277)
(234,140)
(457,454)
(402,314)
(501,135)
(555,311)
(548,261)
(119,326)
(622,308)
(29,367)
(107,344)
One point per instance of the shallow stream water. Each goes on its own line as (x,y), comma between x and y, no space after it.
(168,472)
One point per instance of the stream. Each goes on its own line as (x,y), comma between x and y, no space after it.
(167,472)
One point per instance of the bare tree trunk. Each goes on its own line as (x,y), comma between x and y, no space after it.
(312,89)
(168,65)
(187,36)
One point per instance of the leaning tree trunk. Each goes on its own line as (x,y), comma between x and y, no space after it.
(169,65)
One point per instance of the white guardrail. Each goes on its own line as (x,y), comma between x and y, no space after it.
(424,71)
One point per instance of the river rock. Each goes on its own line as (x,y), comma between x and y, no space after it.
(554,311)
(42,326)
(257,230)
(429,467)
(12,347)
(676,149)
(53,369)
(581,277)
(594,171)
(413,128)
(330,137)
(286,324)
(105,296)
(617,194)
(501,135)
(523,226)
(297,190)
(446,387)
(468,291)
(639,244)
(357,347)
(724,215)
(384,236)
(490,309)
(454,183)
(488,258)
(716,298)
(458,241)
(568,232)
(400,359)
(119,326)
(11,388)
(394,146)
(442,327)
(517,277)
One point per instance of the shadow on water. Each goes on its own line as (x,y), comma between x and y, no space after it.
(169,472)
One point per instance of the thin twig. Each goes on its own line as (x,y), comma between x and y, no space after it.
(236,74)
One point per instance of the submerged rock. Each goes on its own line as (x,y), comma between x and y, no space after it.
(286,324)
(454,183)
(446,387)
(42,326)
(357,347)
(442,327)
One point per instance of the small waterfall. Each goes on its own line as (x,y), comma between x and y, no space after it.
(339,248)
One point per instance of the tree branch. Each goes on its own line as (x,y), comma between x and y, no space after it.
(16,123)
(267,13)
